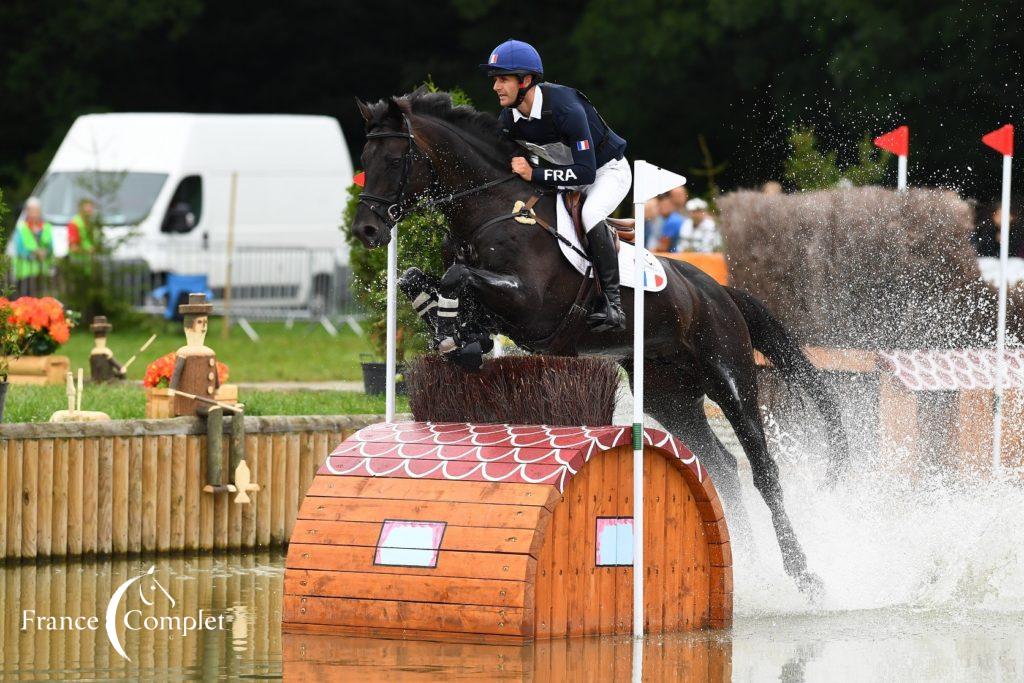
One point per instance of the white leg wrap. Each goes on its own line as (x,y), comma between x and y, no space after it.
(447,308)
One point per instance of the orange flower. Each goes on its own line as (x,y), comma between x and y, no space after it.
(60,332)
(158,373)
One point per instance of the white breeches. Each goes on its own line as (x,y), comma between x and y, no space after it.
(610,187)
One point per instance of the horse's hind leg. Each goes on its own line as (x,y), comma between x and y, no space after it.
(734,389)
(685,418)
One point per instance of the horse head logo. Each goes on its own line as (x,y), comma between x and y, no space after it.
(149,587)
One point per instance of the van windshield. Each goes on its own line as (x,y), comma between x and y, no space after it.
(121,198)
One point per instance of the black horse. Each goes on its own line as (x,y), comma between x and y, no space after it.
(512,278)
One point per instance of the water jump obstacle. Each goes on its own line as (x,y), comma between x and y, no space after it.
(511,533)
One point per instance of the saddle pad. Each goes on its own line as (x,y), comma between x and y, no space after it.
(654,271)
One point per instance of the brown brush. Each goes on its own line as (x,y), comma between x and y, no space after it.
(551,390)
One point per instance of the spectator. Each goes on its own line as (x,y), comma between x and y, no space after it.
(82,229)
(33,243)
(679,196)
(672,224)
(703,235)
(772,187)
(652,224)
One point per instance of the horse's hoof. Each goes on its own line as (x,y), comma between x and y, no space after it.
(811,585)
(447,345)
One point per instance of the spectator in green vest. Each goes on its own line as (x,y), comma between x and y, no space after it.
(33,243)
(81,229)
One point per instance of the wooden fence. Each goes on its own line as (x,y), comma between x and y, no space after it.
(134,486)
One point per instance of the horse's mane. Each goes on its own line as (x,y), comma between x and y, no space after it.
(482,126)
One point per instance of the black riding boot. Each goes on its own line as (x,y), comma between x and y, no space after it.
(601,249)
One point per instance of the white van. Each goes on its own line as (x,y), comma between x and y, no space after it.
(166,180)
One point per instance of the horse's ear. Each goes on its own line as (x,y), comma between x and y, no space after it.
(364,109)
(419,91)
(397,108)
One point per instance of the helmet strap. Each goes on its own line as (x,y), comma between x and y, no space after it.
(524,89)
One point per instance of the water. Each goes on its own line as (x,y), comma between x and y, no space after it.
(923,579)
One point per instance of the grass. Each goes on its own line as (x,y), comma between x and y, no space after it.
(128,401)
(302,353)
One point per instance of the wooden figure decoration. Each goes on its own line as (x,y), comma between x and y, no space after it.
(193,386)
(103,367)
(74,413)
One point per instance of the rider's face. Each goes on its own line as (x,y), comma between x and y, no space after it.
(506,87)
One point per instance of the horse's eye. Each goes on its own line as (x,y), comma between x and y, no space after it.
(393,162)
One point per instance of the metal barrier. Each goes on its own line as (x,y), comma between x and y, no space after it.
(267,283)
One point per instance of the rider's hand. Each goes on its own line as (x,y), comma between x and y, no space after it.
(522,168)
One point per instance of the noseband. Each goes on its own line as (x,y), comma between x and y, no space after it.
(391,209)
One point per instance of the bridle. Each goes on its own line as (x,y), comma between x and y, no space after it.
(391,209)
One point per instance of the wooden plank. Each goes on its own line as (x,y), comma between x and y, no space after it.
(13,484)
(193,491)
(416,615)
(291,487)
(76,464)
(675,502)
(90,495)
(654,541)
(469,538)
(277,488)
(234,509)
(507,567)
(307,465)
(205,501)
(436,489)
(29,489)
(594,472)
(135,450)
(578,601)
(433,637)
(150,472)
(104,511)
(5,446)
(44,499)
(406,588)
(624,575)
(163,494)
(179,456)
(543,582)
(263,499)
(59,531)
(119,492)
(605,506)
(222,501)
(559,562)
(467,514)
(248,530)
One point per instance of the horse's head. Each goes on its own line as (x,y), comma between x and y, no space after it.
(396,167)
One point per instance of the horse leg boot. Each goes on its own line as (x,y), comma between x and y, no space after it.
(421,291)
(608,315)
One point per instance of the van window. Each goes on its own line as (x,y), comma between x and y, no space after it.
(186,207)
(122,198)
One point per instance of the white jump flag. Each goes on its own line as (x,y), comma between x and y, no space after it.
(648,182)
(898,142)
(1001,140)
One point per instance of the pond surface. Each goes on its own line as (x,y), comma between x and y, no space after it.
(924,580)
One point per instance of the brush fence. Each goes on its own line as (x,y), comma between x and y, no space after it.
(132,486)
(497,533)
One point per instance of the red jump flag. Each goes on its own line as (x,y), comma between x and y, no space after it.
(895,141)
(360,179)
(1001,140)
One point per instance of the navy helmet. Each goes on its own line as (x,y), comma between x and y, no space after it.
(514,57)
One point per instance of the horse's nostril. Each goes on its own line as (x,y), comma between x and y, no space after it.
(370,231)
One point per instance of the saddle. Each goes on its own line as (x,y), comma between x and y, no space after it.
(622,228)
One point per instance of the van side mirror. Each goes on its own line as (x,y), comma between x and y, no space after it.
(179,219)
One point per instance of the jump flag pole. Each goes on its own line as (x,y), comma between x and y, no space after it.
(898,142)
(1001,140)
(648,181)
(392,315)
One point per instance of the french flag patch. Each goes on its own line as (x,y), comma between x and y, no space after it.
(493,59)
(583,145)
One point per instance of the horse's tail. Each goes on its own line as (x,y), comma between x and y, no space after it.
(771,338)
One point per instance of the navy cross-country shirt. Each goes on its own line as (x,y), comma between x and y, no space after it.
(565,131)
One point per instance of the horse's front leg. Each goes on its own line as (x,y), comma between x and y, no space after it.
(463,288)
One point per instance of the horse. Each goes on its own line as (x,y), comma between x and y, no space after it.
(512,279)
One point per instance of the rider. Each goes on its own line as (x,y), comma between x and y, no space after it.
(576,149)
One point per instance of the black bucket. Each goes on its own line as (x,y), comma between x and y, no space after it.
(375,376)
(3,398)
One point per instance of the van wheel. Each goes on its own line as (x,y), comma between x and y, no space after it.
(320,293)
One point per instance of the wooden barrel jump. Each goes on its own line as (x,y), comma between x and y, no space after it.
(498,533)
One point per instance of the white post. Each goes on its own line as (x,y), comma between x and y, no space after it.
(638,419)
(392,326)
(1004,255)
(901,172)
